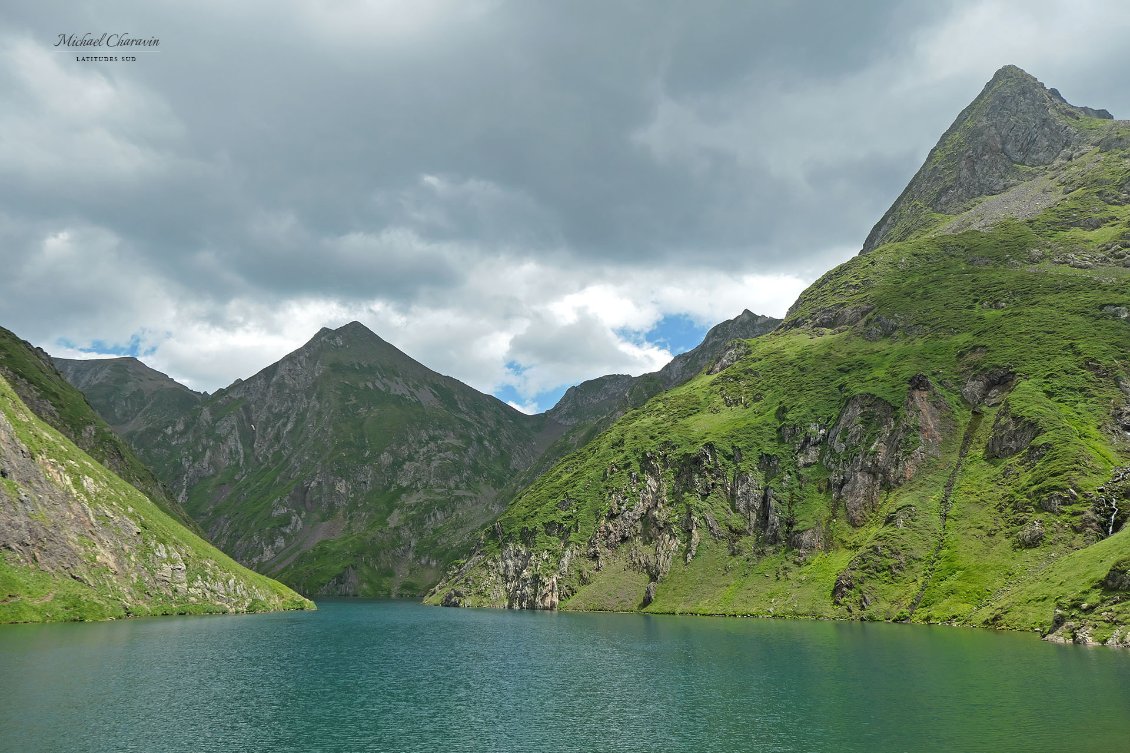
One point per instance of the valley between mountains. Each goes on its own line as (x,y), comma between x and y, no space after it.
(938,431)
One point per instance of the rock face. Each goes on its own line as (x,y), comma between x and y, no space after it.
(1014,126)
(1011,434)
(33,375)
(934,433)
(77,542)
(867,449)
(668,503)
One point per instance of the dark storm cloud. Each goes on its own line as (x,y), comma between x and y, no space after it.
(540,99)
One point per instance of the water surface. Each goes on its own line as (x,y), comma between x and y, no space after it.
(398,676)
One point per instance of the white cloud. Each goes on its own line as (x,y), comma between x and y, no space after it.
(74,127)
(554,322)
(1041,34)
(529,408)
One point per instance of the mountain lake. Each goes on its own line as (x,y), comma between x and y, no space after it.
(381,675)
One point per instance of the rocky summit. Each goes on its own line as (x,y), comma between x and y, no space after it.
(79,543)
(1010,143)
(939,431)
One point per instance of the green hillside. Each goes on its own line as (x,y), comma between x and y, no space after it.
(32,374)
(79,543)
(938,432)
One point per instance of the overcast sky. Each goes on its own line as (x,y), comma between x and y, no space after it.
(519,194)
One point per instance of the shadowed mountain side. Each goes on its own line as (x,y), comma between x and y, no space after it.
(129,395)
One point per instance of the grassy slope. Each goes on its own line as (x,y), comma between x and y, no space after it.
(962,304)
(31,594)
(65,408)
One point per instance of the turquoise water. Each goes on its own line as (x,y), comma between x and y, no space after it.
(398,676)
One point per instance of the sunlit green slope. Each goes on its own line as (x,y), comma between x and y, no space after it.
(79,543)
(939,431)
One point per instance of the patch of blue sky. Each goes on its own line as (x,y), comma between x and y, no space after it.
(678,333)
(540,403)
(104,348)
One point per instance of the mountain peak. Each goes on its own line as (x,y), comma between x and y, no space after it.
(355,327)
(353,333)
(1014,127)
(1009,72)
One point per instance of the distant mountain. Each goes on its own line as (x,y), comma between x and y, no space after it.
(129,395)
(346,467)
(587,409)
(608,397)
(939,431)
(79,543)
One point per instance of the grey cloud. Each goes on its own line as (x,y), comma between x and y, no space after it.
(272,152)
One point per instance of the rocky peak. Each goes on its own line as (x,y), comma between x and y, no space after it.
(744,326)
(356,329)
(1014,125)
(591,398)
(354,332)
(353,343)
(610,395)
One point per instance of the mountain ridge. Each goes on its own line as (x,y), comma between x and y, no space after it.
(226,455)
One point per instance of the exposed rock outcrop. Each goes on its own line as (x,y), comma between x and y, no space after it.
(1015,125)
(105,549)
(870,448)
(988,387)
(1011,434)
